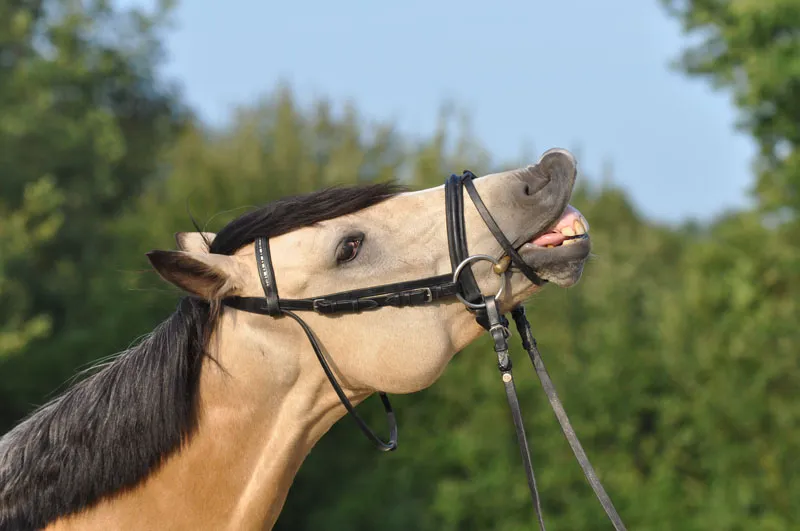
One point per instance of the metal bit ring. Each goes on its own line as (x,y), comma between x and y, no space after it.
(463,264)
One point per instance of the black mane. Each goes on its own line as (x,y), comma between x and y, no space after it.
(110,431)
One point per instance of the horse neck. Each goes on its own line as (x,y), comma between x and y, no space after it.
(263,404)
(260,417)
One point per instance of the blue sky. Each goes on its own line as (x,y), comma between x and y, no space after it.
(588,75)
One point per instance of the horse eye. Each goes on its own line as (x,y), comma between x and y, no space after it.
(349,248)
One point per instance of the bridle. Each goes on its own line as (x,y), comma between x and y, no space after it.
(461,284)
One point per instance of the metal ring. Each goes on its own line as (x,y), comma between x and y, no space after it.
(463,264)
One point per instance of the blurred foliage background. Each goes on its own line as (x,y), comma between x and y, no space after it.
(676,356)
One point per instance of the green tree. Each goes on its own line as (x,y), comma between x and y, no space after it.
(735,321)
(83,119)
(35,223)
(675,356)
(752,48)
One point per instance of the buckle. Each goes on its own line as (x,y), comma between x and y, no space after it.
(504,329)
(410,294)
(428,295)
(319,305)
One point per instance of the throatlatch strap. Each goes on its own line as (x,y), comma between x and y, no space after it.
(387,406)
(272,306)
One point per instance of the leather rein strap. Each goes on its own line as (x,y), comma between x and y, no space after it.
(462,284)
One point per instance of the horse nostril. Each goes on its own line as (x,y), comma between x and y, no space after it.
(533,182)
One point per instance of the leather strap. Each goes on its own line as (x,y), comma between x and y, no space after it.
(387,406)
(267,276)
(494,228)
(457,237)
(499,331)
(399,295)
(529,344)
(271,305)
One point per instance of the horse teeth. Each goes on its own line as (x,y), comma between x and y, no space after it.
(571,242)
(567,231)
(580,228)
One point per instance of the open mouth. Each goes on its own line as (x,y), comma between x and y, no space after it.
(570,229)
(557,254)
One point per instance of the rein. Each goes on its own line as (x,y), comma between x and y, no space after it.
(460,284)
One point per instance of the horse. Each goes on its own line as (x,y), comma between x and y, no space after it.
(205,422)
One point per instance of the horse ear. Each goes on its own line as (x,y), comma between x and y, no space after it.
(209,276)
(194,242)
